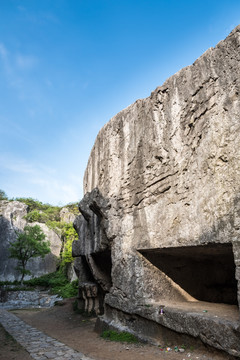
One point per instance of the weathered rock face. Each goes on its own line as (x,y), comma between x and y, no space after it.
(11,220)
(67,216)
(26,299)
(161,211)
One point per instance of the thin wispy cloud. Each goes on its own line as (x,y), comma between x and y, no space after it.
(37,17)
(4,59)
(15,165)
(48,82)
(17,68)
(63,75)
(15,130)
(3,51)
(15,64)
(47,181)
(26,62)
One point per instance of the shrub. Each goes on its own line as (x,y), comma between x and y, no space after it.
(49,280)
(53,213)
(48,212)
(119,336)
(73,208)
(67,291)
(3,195)
(32,204)
(36,216)
(69,234)
(57,282)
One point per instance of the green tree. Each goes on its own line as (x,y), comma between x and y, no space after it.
(69,235)
(29,244)
(36,216)
(33,204)
(3,195)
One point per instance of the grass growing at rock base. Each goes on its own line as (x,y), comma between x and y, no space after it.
(56,282)
(123,336)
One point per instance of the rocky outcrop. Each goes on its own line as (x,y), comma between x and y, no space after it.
(26,299)
(12,220)
(161,219)
(66,215)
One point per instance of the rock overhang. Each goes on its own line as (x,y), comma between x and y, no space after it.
(168,168)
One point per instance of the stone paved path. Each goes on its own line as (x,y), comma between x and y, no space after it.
(39,345)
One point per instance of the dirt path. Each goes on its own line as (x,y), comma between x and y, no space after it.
(77,332)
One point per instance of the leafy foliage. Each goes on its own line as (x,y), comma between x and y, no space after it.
(50,215)
(40,212)
(48,280)
(53,213)
(68,290)
(15,282)
(69,234)
(57,282)
(33,204)
(56,226)
(29,244)
(3,195)
(73,207)
(36,216)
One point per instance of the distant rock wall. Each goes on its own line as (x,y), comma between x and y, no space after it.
(161,211)
(66,215)
(11,220)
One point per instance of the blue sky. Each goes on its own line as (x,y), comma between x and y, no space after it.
(68,66)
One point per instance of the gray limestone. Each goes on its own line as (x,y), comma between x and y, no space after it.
(26,299)
(66,215)
(161,210)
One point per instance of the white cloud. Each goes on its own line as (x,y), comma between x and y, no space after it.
(55,191)
(19,166)
(14,130)
(39,181)
(15,66)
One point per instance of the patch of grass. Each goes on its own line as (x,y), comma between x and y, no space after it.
(2,283)
(67,291)
(48,280)
(123,336)
(58,284)
(21,288)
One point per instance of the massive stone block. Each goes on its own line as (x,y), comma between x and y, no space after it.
(161,215)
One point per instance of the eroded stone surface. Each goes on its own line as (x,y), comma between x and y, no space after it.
(26,299)
(167,172)
(66,215)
